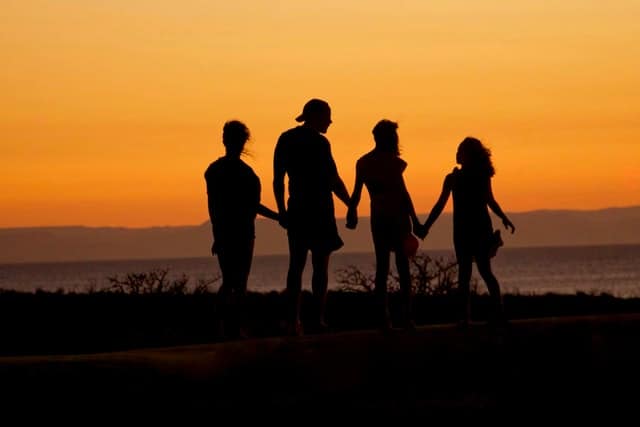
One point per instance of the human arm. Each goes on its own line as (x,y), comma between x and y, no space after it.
(213,233)
(340,190)
(495,207)
(261,209)
(210,206)
(439,205)
(417,226)
(352,213)
(279,171)
(268,213)
(337,185)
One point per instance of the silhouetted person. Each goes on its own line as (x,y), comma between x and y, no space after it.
(233,193)
(473,235)
(304,154)
(392,214)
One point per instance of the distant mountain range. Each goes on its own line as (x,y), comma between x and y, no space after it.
(535,228)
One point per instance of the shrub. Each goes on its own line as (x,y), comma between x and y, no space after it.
(429,276)
(158,282)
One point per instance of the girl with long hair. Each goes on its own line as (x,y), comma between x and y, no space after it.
(473,234)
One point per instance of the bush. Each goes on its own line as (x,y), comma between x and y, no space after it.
(158,282)
(429,276)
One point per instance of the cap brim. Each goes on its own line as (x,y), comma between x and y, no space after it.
(300,118)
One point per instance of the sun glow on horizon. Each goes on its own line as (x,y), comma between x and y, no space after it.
(111,111)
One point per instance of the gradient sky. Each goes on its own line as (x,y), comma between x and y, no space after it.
(111,110)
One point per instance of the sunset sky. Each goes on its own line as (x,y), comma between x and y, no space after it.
(110,111)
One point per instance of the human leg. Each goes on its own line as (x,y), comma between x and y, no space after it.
(484,268)
(382,273)
(465,263)
(244,260)
(225,292)
(319,285)
(404,274)
(297,261)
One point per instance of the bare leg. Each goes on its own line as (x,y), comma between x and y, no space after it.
(484,268)
(382,273)
(402,264)
(464,279)
(224,294)
(245,257)
(235,265)
(319,284)
(297,261)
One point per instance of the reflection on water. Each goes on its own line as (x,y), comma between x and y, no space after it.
(611,269)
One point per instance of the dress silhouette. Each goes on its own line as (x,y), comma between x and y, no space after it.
(233,194)
(304,154)
(392,215)
(473,235)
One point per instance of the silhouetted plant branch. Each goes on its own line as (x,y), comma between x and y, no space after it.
(352,279)
(429,276)
(158,282)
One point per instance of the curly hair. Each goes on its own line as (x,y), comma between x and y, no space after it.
(478,157)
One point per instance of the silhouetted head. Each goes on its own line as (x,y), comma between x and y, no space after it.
(316,114)
(475,157)
(386,136)
(234,135)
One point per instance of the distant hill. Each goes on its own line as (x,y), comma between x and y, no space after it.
(535,228)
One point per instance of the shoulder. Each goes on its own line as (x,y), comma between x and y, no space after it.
(251,173)
(212,168)
(250,177)
(450,178)
(287,136)
(319,142)
(391,162)
(293,133)
(323,138)
(288,133)
(365,159)
(245,167)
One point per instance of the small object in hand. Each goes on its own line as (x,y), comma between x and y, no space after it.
(496,242)
(410,245)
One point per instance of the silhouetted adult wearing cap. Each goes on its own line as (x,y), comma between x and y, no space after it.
(304,154)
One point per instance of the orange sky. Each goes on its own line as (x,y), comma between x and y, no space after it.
(111,111)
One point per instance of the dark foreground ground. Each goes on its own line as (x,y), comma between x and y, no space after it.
(573,365)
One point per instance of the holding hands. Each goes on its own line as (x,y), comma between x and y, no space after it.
(420,230)
(352,218)
(283,219)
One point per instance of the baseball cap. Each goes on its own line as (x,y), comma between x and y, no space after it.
(312,107)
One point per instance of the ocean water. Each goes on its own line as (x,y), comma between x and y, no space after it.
(566,270)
